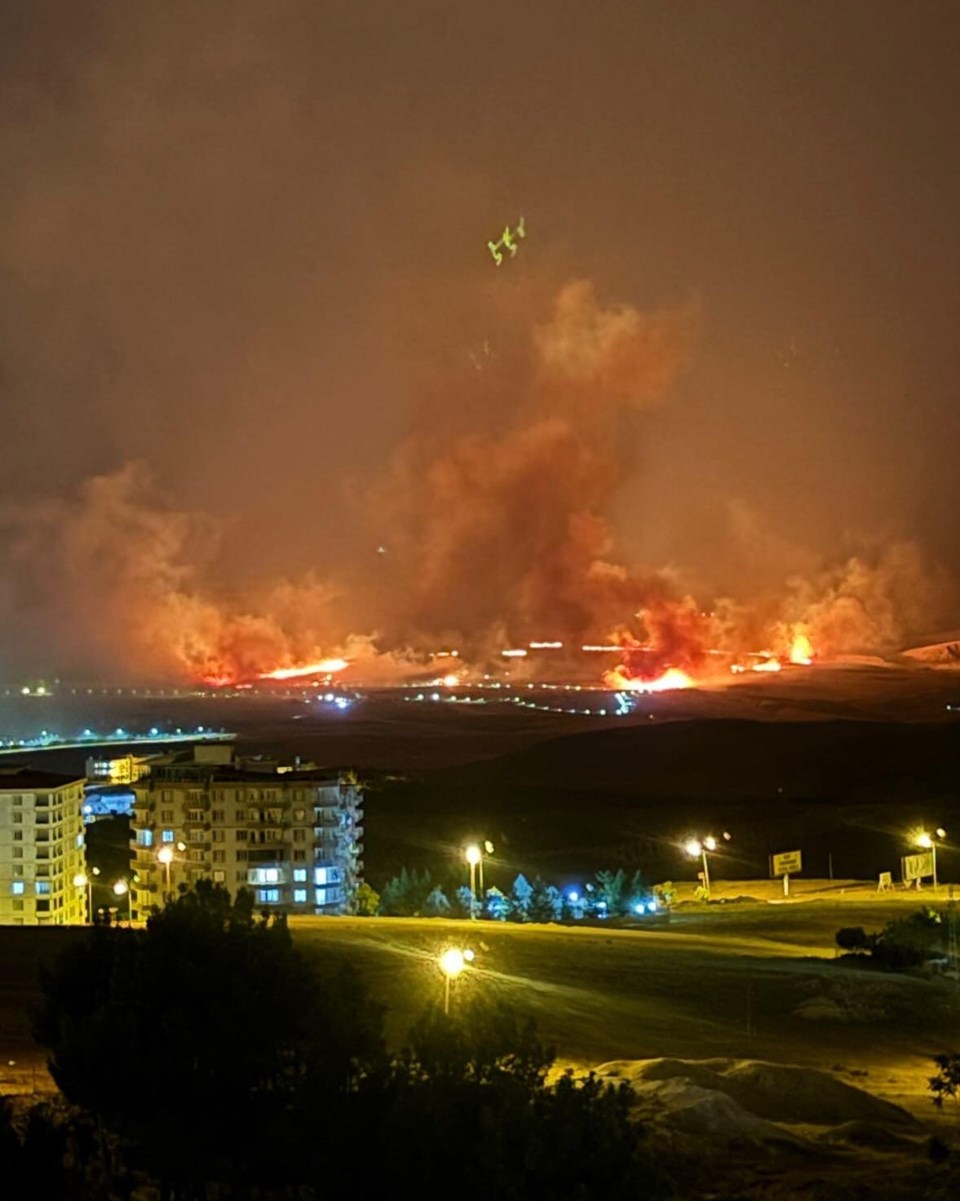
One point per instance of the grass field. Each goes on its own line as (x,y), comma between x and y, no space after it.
(698,983)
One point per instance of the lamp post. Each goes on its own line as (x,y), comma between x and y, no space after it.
(698,848)
(452,963)
(474,856)
(119,889)
(82,880)
(165,856)
(928,842)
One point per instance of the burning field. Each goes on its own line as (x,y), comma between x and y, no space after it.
(491,553)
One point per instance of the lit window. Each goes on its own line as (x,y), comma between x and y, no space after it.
(219,877)
(321,896)
(299,875)
(300,896)
(42,887)
(320,875)
(271,875)
(268,896)
(17,888)
(167,835)
(144,838)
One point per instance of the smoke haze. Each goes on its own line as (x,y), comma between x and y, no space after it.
(251,332)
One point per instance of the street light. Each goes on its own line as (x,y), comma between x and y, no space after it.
(165,856)
(928,842)
(119,889)
(81,880)
(452,963)
(474,856)
(698,849)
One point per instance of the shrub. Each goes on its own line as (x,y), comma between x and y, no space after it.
(853,938)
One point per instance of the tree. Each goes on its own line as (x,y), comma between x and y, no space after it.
(909,941)
(462,903)
(946,1083)
(241,1031)
(469,1101)
(520,896)
(546,903)
(635,893)
(497,905)
(436,904)
(610,895)
(404,895)
(366,900)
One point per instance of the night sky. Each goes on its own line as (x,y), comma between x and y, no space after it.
(243,244)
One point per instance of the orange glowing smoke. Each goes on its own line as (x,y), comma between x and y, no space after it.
(801,649)
(671,679)
(326,667)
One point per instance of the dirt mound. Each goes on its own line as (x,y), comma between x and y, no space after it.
(755,1100)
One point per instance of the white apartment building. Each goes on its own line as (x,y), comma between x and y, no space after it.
(41,848)
(292,837)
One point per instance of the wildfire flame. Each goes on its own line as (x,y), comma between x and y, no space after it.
(326,667)
(671,679)
(801,649)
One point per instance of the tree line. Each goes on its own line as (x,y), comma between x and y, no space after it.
(419,894)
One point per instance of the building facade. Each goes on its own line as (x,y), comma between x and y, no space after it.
(292,837)
(41,849)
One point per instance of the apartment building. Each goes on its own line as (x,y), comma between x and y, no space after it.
(41,848)
(292,837)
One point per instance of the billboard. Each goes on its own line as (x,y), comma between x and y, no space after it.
(785,864)
(915,867)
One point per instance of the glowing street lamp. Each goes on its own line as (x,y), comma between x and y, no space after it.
(928,842)
(452,963)
(120,888)
(698,849)
(82,880)
(474,856)
(165,856)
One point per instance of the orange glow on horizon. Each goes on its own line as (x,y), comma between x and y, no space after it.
(325,667)
(673,678)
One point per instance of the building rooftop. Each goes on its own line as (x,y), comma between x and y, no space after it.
(240,775)
(20,778)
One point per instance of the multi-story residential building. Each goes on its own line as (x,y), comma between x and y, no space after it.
(292,837)
(41,848)
(122,769)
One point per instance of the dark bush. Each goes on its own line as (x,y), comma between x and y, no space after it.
(853,938)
